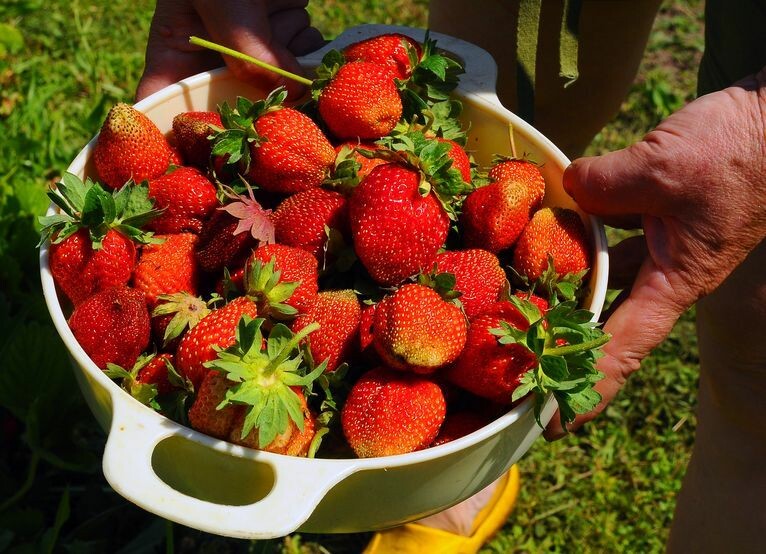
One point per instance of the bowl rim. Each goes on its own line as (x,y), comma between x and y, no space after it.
(487,101)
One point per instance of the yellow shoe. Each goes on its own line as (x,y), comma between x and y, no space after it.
(414,538)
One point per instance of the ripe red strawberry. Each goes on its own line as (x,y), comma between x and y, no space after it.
(486,367)
(396,230)
(291,442)
(391,50)
(81,271)
(191,131)
(187,198)
(130,146)
(168,267)
(360,100)
(112,326)
(388,412)
(90,249)
(495,215)
(204,415)
(555,232)
(416,329)
(300,220)
(478,277)
(280,149)
(524,172)
(293,154)
(458,425)
(295,266)
(338,314)
(156,373)
(218,328)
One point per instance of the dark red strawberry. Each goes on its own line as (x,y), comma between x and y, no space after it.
(156,373)
(112,326)
(193,132)
(459,425)
(486,367)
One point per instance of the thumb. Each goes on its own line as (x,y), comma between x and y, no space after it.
(638,325)
(617,183)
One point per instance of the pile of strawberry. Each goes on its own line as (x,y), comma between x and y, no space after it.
(271,275)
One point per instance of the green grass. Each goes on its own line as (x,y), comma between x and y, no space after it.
(609,487)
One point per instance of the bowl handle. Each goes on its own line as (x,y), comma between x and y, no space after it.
(299,483)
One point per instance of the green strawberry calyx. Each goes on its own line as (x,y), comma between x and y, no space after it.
(146,393)
(88,205)
(239,134)
(344,176)
(430,157)
(263,282)
(434,76)
(325,71)
(566,345)
(264,370)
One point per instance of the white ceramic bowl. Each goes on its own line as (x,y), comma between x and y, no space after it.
(215,486)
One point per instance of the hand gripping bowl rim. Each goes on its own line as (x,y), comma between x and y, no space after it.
(478,86)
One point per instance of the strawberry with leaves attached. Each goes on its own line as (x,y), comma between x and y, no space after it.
(554,251)
(279,148)
(400,212)
(515,350)
(93,238)
(357,99)
(264,370)
(394,51)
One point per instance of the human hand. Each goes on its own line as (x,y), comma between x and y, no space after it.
(274,31)
(697,186)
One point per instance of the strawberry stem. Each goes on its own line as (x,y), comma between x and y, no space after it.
(574,348)
(244,57)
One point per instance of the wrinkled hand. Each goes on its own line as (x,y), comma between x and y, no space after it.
(274,31)
(697,186)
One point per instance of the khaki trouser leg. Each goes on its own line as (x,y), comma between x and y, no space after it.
(613,35)
(722,503)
